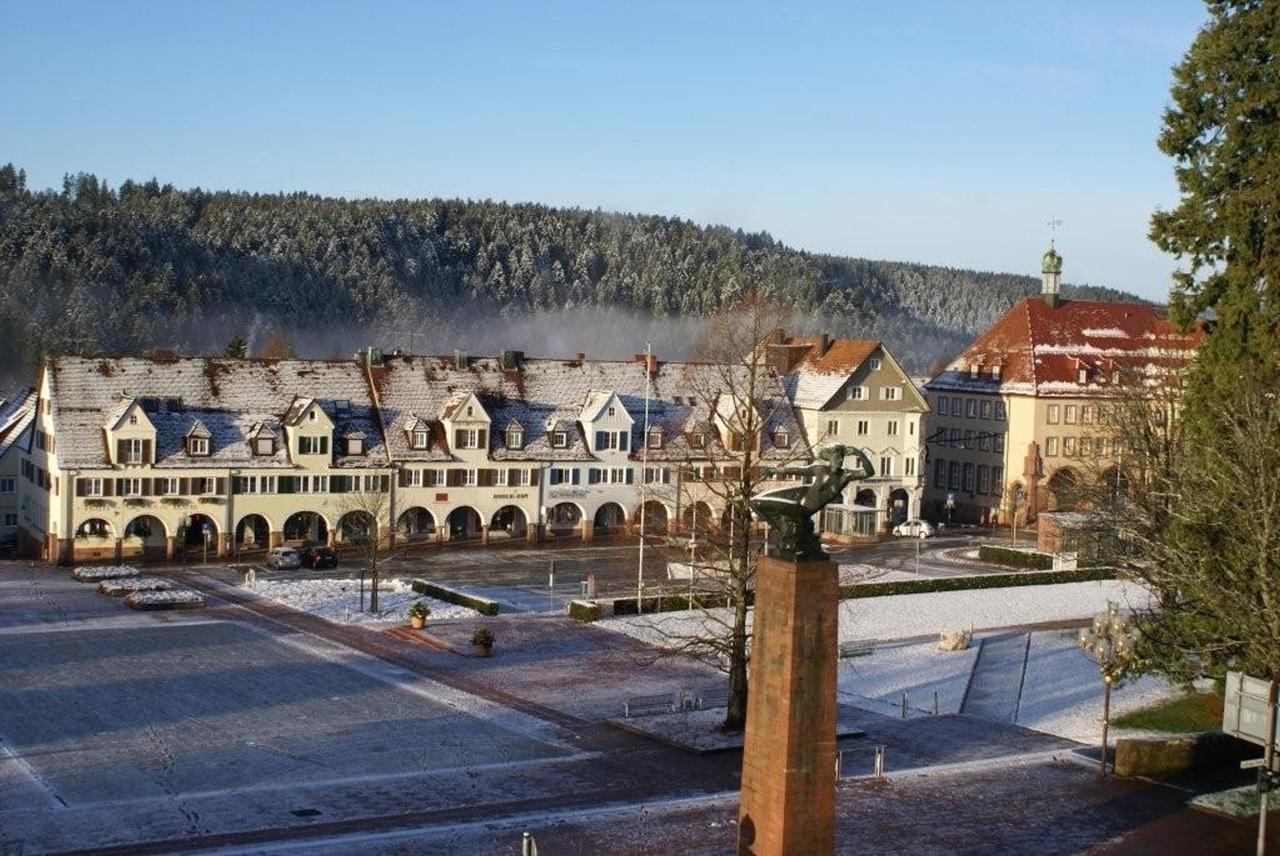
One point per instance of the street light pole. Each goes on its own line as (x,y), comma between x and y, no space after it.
(1111,643)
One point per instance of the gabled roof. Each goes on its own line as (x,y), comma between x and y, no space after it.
(197,429)
(1040,348)
(297,409)
(16,416)
(454,404)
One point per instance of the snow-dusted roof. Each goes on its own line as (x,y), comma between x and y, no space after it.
(548,395)
(1040,349)
(232,399)
(16,416)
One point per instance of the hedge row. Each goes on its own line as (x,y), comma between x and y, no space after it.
(982,581)
(672,603)
(1015,558)
(482,605)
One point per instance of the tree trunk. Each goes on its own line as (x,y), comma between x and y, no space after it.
(373,593)
(736,716)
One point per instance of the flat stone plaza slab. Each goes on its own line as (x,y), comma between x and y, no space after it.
(152,711)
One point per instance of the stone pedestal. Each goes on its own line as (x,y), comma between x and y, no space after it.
(789,753)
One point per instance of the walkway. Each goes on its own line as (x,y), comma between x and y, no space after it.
(995,687)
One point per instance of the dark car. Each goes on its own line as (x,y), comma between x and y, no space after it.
(319,557)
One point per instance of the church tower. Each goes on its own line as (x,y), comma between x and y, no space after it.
(1050,274)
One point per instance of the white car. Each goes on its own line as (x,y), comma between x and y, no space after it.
(914,528)
(284,558)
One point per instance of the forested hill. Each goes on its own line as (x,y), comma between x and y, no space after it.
(90,268)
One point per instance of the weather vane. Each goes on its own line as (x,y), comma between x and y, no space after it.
(1053,225)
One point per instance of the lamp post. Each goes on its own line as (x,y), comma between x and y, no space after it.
(1111,643)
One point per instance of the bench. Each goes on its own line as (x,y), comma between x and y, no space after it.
(857,648)
(648,705)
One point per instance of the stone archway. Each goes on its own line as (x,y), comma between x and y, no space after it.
(866,497)
(253,532)
(356,528)
(306,526)
(697,518)
(565,518)
(610,519)
(655,518)
(463,523)
(1063,490)
(416,524)
(899,506)
(145,537)
(509,521)
(201,532)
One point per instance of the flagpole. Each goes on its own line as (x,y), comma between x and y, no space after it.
(644,474)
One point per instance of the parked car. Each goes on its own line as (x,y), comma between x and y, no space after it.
(284,559)
(915,528)
(318,557)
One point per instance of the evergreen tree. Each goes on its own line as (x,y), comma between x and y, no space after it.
(237,347)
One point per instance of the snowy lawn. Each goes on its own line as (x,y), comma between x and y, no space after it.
(918,669)
(339,600)
(1062,691)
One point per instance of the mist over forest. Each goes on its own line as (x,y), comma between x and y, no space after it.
(89,269)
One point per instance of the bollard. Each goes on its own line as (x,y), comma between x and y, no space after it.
(935,702)
(878,770)
(839,762)
(528,847)
(904,705)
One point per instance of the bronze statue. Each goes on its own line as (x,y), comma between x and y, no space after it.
(790,510)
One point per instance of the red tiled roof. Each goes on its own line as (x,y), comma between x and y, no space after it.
(1041,348)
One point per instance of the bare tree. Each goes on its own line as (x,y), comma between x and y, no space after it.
(363,511)
(741,423)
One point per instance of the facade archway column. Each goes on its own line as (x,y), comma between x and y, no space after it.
(588,528)
(275,539)
(484,533)
(331,539)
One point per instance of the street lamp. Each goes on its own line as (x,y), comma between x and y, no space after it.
(1111,643)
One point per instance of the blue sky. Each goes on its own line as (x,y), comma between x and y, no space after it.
(945,132)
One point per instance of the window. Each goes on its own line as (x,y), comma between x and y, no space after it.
(781,439)
(613,411)
(471,411)
(559,439)
(131,487)
(997,481)
(93,487)
(518,478)
(1086,447)
(7,485)
(997,443)
(500,478)
(909,464)
(891,427)
(968,477)
(133,419)
(657,475)
(953,475)
(515,438)
(467,438)
(971,408)
(974,370)
(264,446)
(984,479)
(890,393)
(939,473)
(995,372)
(1069,414)
(864,427)
(986,409)
(563,475)
(11,519)
(941,405)
(968,439)
(612,441)
(886,466)
(1082,376)
(1068,446)
(419,440)
(999,411)
(857,393)
(957,407)
(1051,447)
(413,478)
(655,439)
(875,364)
(1086,414)
(911,429)
(313,445)
(312,484)
(955,436)
(173,487)
(833,427)
(198,446)
(355,446)
(433,478)
(698,440)
(133,451)
(312,415)
(467,478)
(1052,414)
(984,441)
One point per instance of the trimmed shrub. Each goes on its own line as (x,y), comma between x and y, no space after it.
(482,605)
(1015,558)
(584,610)
(982,581)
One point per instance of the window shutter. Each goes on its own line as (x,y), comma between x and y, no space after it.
(555,477)
(402,478)
(80,487)
(593,476)
(120,451)
(452,478)
(222,486)
(631,476)
(119,487)
(577,475)
(146,452)
(483,438)
(108,487)
(624,440)
(533,476)
(601,441)
(384,483)
(146,487)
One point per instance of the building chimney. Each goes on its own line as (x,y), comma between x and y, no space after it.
(460,361)
(824,344)
(510,361)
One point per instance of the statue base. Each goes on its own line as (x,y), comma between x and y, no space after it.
(789,752)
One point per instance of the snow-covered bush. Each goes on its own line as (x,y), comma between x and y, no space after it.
(128,585)
(171,599)
(98,573)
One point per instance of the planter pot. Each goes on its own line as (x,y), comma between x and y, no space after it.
(482,650)
(416,622)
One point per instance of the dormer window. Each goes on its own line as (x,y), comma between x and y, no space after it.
(264,446)
(355,445)
(515,438)
(974,370)
(1082,375)
(198,447)
(698,440)
(419,440)
(311,417)
(313,445)
(995,372)
(559,440)
(781,439)
(655,438)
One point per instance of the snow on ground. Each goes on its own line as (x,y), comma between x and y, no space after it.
(860,572)
(919,669)
(97,573)
(1062,690)
(169,597)
(339,600)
